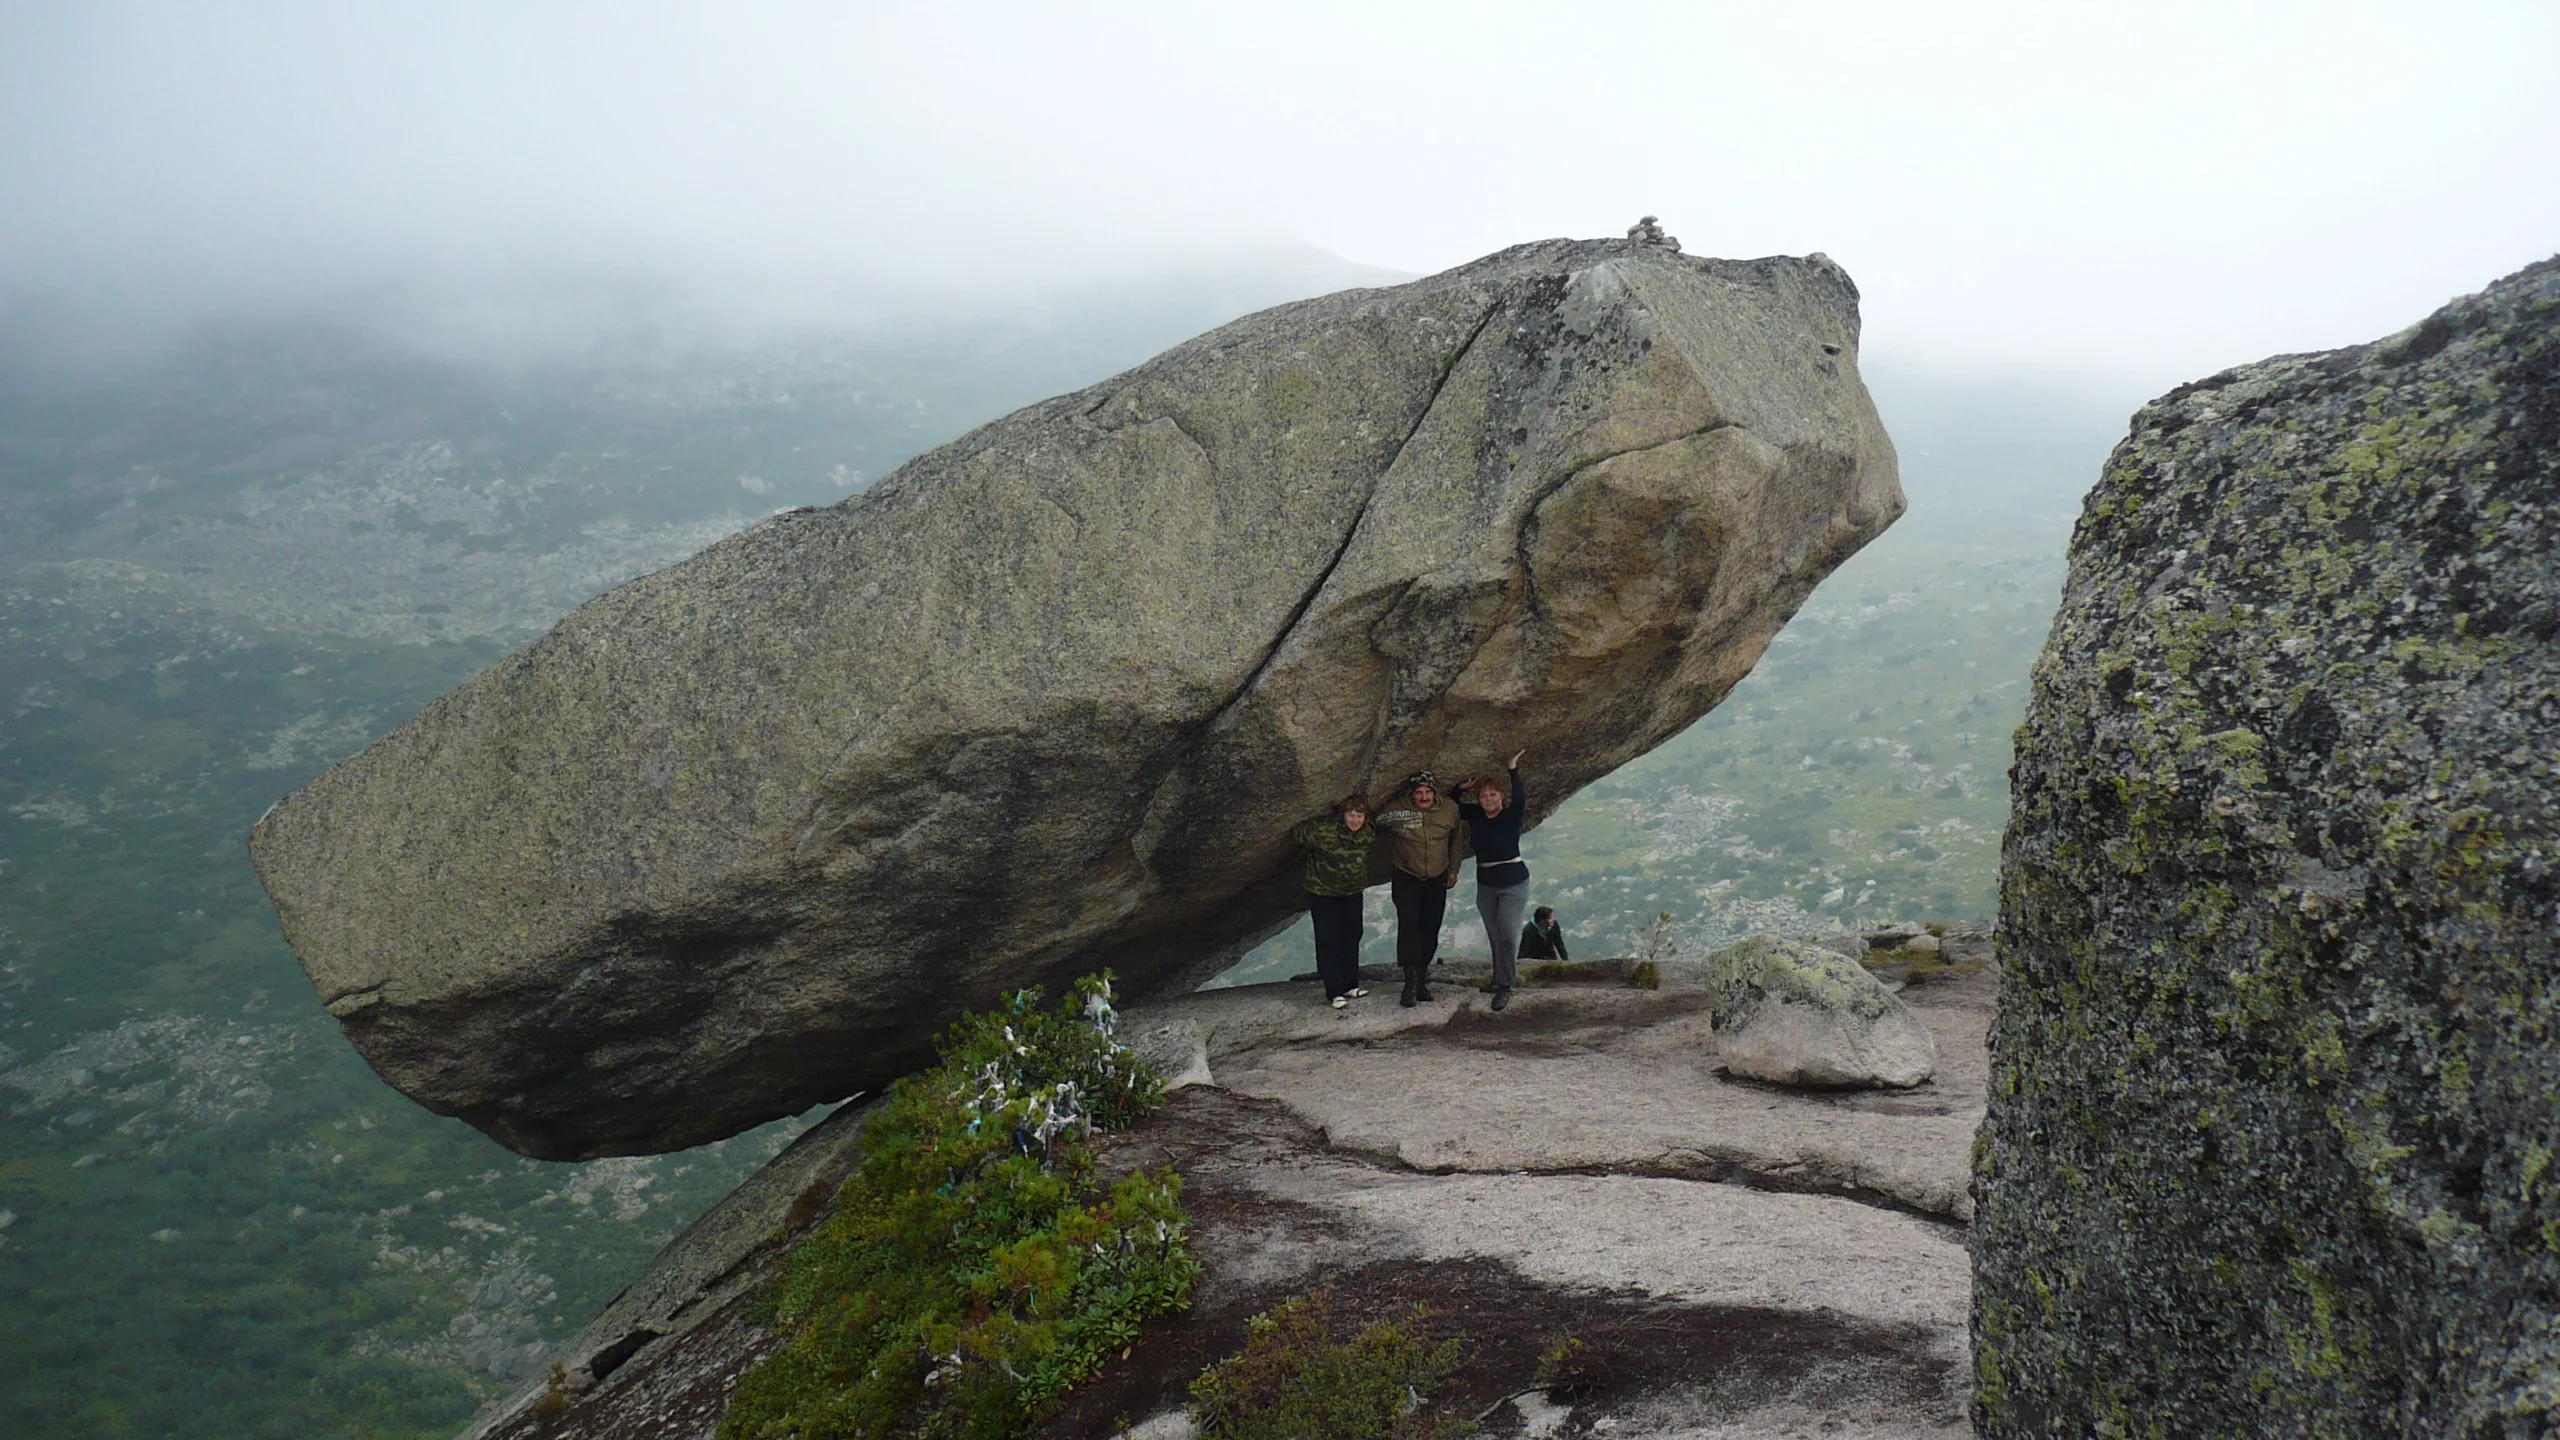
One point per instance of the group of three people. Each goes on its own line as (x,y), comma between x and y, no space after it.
(1427,842)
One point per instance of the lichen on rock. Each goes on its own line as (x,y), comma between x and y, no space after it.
(1796,1013)
(2274,1090)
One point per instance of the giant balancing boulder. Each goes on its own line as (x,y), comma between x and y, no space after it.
(2275,1090)
(739,836)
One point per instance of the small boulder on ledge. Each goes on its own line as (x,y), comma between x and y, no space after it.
(1794,1013)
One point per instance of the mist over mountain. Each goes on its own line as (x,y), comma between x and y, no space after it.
(1996,177)
(368,474)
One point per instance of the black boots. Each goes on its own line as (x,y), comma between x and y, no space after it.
(1413,990)
(1501,997)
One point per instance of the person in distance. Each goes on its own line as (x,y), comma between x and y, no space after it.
(1542,938)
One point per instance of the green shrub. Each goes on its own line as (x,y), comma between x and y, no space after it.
(971,1273)
(1565,1371)
(555,1397)
(1293,1380)
(1656,945)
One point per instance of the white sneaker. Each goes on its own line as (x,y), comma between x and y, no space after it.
(1341,1002)
(1357,993)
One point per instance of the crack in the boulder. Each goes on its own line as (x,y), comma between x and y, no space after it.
(1173,768)
(1351,532)
(351,1002)
(1548,491)
(1530,606)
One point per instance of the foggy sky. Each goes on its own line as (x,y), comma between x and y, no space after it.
(2134,194)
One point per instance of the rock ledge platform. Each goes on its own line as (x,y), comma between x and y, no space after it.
(1739,1260)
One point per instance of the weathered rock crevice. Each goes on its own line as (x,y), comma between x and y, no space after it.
(1691,1167)
(1350,531)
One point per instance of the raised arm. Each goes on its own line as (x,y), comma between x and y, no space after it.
(1466,797)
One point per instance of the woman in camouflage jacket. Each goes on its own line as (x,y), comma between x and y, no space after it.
(1336,850)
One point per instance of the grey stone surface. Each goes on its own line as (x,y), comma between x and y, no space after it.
(1725,1245)
(2275,1093)
(1793,1012)
(740,836)
(1605,1078)
(1969,946)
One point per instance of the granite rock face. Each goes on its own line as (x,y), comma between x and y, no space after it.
(2275,1091)
(1795,1013)
(741,835)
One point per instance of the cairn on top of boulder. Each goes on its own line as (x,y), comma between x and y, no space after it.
(1648,231)
(742,835)
(2274,1091)
(1795,1013)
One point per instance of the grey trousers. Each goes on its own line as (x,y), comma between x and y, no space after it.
(1504,910)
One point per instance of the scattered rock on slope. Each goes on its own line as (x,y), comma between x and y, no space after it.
(739,836)
(1795,1013)
(2275,1094)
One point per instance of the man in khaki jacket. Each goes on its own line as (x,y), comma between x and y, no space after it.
(1426,841)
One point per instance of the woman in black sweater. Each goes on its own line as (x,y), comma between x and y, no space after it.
(1502,877)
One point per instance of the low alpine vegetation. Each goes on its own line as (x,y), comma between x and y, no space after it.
(1293,1380)
(974,1270)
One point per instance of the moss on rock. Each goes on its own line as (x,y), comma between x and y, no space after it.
(1744,976)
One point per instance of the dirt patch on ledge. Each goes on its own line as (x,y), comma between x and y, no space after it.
(1635,1349)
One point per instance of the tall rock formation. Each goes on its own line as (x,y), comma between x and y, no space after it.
(2276,1074)
(739,836)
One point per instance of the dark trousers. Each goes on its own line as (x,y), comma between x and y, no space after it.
(1337,922)
(1420,906)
